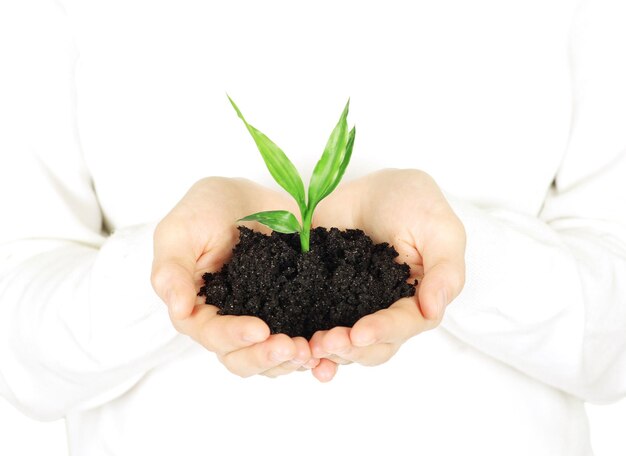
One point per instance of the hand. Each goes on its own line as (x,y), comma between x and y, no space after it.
(198,236)
(407,209)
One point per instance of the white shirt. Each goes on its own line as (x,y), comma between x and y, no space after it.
(111,110)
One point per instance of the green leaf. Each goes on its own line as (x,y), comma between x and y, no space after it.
(346,157)
(281,221)
(279,166)
(331,166)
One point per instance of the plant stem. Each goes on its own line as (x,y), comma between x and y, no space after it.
(306,229)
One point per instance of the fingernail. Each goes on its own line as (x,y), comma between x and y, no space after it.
(443,302)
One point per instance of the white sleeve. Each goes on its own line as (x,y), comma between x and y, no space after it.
(547,294)
(79,322)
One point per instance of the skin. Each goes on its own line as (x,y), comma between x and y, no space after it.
(407,209)
(197,236)
(403,207)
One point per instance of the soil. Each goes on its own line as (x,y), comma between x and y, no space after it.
(343,277)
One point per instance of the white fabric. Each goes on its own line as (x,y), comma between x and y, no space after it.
(109,111)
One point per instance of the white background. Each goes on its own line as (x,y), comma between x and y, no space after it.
(21,436)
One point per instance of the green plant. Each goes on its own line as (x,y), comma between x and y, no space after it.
(326,176)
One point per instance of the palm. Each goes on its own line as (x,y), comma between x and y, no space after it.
(198,236)
(406,209)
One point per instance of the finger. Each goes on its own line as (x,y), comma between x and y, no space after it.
(222,334)
(315,344)
(302,357)
(333,344)
(366,356)
(313,362)
(442,282)
(325,371)
(338,347)
(444,266)
(173,269)
(260,357)
(338,360)
(396,324)
(173,281)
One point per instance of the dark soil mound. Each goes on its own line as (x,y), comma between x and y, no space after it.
(343,277)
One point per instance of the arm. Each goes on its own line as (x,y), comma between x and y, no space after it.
(547,295)
(544,293)
(79,322)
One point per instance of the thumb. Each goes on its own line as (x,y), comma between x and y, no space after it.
(174,284)
(443,255)
(440,285)
(174,266)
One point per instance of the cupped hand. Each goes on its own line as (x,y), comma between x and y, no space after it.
(198,236)
(407,209)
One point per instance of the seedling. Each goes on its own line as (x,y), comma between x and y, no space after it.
(343,278)
(326,176)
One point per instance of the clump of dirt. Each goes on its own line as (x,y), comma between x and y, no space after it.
(343,277)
